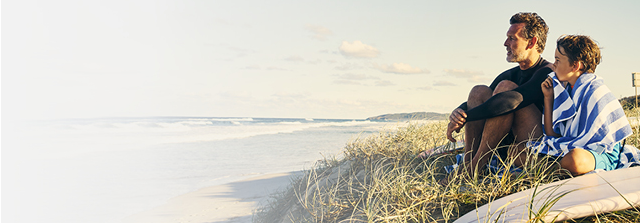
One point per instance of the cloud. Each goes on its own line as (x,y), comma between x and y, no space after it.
(356,77)
(294,58)
(471,76)
(359,79)
(358,49)
(384,83)
(400,68)
(425,88)
(348,66)
(241,52)
(236,95)
(276,68)
(443,83)
(320,32)
(347,82)
(286,96)
(328,52)
(227,23)
(258,67)
(317,61)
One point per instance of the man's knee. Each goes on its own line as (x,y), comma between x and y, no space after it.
(504,86)
(478,95)
(578,162)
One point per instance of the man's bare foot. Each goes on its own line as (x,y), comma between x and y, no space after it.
(444,181)
(425,154)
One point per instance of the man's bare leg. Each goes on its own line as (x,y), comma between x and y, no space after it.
(527,126)
(473,130)
(495,129)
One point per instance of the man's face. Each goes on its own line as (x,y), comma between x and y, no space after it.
(516,44)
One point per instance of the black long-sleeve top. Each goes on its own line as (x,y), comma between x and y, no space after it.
(527,92)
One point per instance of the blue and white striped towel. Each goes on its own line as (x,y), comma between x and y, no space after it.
(593,119)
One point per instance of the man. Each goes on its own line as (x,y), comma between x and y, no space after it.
(510,109)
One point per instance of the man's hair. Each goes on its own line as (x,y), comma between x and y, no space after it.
(579,48)
(534,27)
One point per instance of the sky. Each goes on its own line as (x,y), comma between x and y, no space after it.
(287,59)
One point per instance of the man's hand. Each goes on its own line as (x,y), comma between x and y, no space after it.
(453,127)
(458,116)
(457,119)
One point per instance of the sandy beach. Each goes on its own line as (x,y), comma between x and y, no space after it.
(232,202)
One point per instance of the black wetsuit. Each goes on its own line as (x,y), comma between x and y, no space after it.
(528,92)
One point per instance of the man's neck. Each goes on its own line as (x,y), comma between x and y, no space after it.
(529,62)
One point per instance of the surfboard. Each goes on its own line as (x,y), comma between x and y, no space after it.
(449,147)
(582,196)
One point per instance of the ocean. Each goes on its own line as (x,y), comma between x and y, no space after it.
(103,170)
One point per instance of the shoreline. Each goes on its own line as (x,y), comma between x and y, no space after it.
(230,202)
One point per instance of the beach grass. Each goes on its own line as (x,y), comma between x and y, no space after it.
(381,179)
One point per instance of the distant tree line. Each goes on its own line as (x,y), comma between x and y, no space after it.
(628,102)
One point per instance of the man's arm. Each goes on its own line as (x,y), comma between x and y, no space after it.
(458,116)
(463,108)
(510,101)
